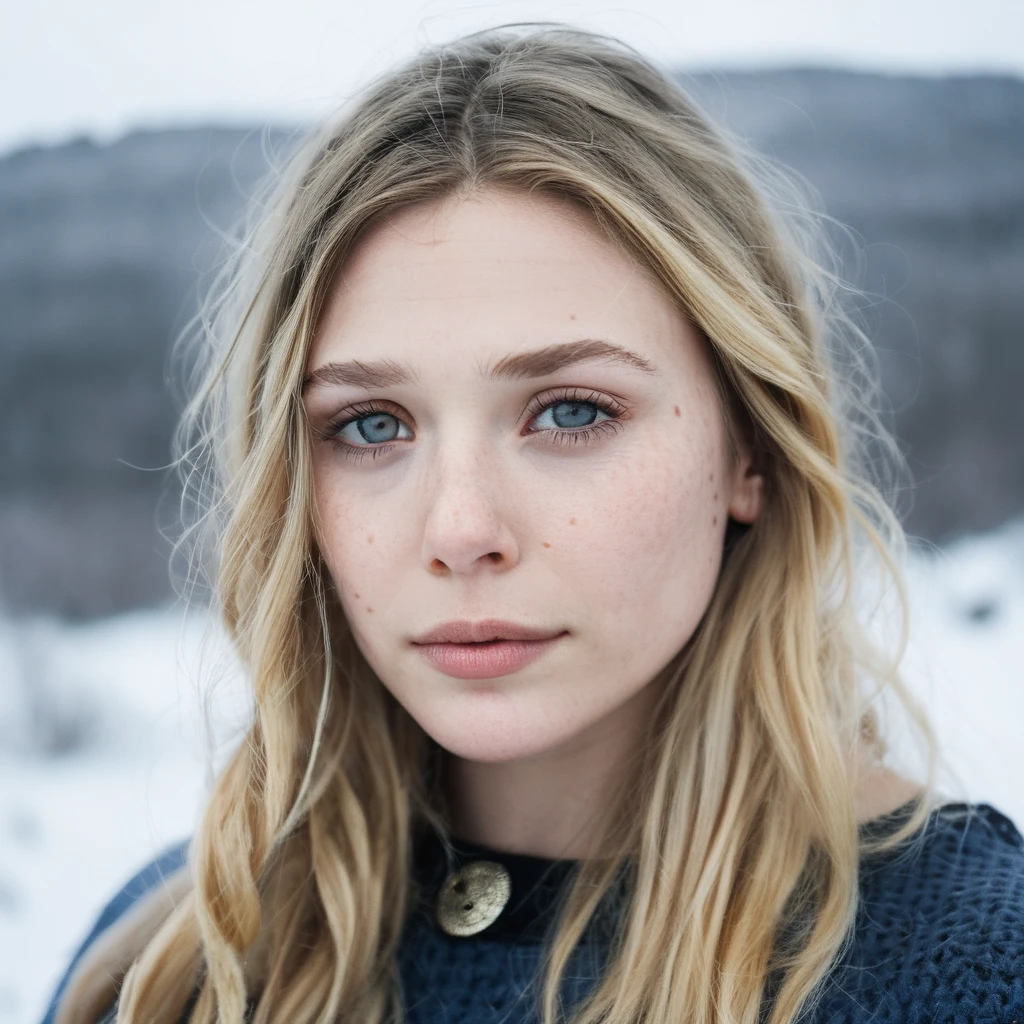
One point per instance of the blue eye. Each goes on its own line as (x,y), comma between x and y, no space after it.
(382,427)
(567,415)
(373,429)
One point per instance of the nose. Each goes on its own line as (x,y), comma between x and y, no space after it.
(466,530)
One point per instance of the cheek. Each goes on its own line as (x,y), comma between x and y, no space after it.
(353,537)
(651,552)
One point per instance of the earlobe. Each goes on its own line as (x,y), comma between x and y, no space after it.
(747,492)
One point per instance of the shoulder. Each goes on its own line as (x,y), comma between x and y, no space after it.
(144,881)
(940,927)
(963,873)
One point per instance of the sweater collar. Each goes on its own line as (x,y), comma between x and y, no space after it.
(538,884)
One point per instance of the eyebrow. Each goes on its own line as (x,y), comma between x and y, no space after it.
(526,365)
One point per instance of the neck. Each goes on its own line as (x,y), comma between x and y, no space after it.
(550,805)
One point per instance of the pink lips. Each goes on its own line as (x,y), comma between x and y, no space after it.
(484,650)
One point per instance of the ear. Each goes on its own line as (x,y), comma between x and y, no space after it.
(747,497)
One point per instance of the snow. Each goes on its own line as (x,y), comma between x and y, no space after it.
(75,824)
(965,661)
(104,753)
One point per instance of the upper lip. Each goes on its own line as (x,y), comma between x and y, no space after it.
(465,632)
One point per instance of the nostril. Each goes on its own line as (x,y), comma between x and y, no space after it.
(495,556)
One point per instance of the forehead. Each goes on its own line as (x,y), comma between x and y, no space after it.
(488,275)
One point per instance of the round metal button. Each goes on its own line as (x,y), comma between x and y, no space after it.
(472,899)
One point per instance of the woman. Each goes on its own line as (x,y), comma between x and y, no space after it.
(543,520)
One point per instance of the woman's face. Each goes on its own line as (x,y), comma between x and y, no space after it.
(512,422)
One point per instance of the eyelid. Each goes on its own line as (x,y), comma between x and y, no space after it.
(553,396)
(358,410)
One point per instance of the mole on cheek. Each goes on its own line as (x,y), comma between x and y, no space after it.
(572,521)
(545,543)
(356,596)
(369,538)
(678,413)
(715,497)
(714,521)
(369,609)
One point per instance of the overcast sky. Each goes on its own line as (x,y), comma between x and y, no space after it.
(102,66)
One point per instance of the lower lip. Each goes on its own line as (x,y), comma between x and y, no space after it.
(485,661)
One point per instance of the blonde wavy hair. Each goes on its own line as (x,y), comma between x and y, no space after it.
(737,828)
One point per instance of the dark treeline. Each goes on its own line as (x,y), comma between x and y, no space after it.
(102,249)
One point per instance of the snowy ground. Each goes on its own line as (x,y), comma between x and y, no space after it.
(90,793)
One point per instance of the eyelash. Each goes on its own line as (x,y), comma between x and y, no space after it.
(560,436)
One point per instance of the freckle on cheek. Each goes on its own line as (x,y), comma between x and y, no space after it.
(678,413)
(714,522)
(716,496)
(369,609)
(546,544)
(369,538)
(572,316)
(356,596)
(572,521)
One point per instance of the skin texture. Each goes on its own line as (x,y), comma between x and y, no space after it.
(474,511)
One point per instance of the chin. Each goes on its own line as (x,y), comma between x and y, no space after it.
(487,730)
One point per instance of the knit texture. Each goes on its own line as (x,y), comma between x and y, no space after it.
(940,929)
(939,939)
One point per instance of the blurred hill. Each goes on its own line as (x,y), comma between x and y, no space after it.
(102,246)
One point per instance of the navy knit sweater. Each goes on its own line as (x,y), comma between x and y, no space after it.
(939,936)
